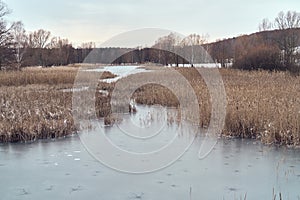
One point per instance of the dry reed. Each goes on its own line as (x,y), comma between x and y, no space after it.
(33,104)
(261,105)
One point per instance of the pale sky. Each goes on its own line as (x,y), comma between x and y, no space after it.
(99,20)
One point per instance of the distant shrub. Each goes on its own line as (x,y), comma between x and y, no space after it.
(294,69)
(260,57)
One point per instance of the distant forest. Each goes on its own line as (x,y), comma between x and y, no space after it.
(275,47)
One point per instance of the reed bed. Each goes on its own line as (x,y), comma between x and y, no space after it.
(43,76)
(34,104)
(260,105)
(49,76)
(263,105)
(31,113)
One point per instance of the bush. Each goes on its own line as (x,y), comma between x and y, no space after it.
(260,57)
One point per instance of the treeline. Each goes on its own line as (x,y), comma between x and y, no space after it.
(275,47)
(264,50)
(18,48)
(161,55)
(151,55)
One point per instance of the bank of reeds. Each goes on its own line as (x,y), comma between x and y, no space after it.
(33,104)
(261,105)
(43,76)
(49,76)
(31,113)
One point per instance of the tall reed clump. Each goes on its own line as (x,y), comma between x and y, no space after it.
(263,105)
(33,104)
(32,113)
(152,94)
(260,104)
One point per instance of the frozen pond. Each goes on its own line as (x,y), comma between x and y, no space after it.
(119,70)
(63,169)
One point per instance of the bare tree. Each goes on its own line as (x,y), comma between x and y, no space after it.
(288,20)
(256,53)
(61,49)
(57,42)
(265,25)
(3,9)
(88,45)
(5,36)
(195,39)
(194,43)
(289,38)
(220,50)
(4,31)
(19,42)
(39,38)
(167,44)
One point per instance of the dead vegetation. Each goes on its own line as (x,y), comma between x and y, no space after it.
(30,113)
(261,105)
(33,104)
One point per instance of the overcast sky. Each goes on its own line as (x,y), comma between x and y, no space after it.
(98,20)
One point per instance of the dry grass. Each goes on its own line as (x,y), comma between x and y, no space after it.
(261,104)
(32,112)
(34,106)
(152,94)
(43,76)
(39,76)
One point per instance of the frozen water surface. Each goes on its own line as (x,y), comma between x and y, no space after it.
(63,169)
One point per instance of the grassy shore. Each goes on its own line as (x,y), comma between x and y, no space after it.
(36,103)
(261,105)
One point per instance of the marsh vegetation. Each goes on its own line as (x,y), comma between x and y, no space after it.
(261,105)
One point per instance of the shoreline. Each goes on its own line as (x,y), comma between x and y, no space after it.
(261,105)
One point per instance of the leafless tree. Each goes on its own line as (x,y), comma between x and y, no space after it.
(19,42)
(57,42)
(39,38)
(195,39)
(265,25)
(169,43)
(220,50)
(194,43)
(3,9)
(3,24)
(5,35)
(288,22)
(256,53)
(88,45)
